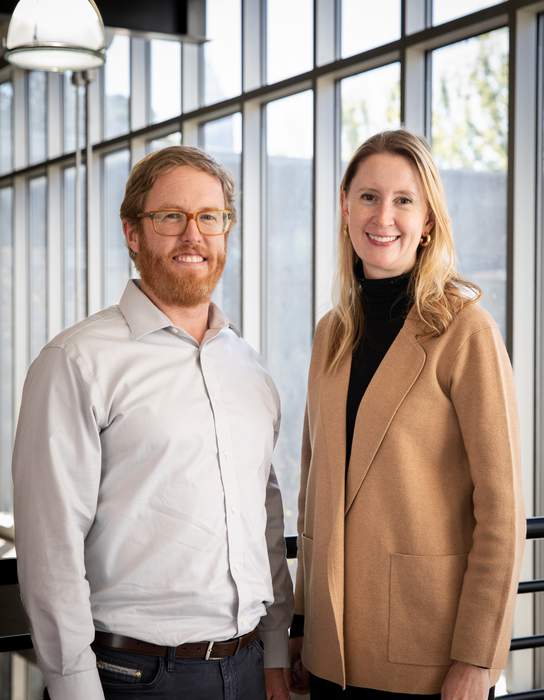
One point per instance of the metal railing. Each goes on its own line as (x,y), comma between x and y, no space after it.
(535,530)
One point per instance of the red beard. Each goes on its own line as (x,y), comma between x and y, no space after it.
(188,289)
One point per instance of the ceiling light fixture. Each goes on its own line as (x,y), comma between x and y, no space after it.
(56,35)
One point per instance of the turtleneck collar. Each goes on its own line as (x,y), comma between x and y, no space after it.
(379,295)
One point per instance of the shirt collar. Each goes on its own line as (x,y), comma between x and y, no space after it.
(143,317)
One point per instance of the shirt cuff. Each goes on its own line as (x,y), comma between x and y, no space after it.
(276,648)
(77,686)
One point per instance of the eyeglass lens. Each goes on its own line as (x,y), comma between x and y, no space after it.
(174,223)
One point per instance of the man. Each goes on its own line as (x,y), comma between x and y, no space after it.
(148,517)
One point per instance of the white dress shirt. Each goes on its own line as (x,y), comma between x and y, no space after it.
(145,500)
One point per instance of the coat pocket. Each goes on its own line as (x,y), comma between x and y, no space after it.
(424,597)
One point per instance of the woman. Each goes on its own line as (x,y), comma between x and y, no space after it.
(411,518)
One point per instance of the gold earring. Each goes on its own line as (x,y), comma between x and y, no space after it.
(346,231)
(425,239)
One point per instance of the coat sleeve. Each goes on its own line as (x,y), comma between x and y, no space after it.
(483,394)
(56,475)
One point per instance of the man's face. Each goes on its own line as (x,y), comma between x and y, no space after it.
(180,270)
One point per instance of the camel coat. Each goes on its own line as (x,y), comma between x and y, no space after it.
(412,560)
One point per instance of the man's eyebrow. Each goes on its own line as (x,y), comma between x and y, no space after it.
(176,207)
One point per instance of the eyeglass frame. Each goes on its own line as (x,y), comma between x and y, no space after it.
(189,216)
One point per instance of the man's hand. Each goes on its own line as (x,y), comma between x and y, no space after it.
(297,677)
(465,682)
(275,684)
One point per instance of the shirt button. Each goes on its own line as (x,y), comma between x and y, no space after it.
(242,620)
(175,330)
(215,397)
(237,566)
(225,452)
(233,508)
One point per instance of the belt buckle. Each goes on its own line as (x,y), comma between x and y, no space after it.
(238,646)
(208,651)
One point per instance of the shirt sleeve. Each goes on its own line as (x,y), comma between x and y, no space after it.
(483,394)
(273,627)
(56,474)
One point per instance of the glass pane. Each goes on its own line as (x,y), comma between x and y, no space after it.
(116,259)
(222,54)
(37,234)
(71,96)
(289,277)
(370,103)
(37,116)
(470,142)
(6,127)
(446,10)
(290,42)
(223,141)
(6,346)
(163,142)
(165,66)
(367,24)
(117,87)
(75,273)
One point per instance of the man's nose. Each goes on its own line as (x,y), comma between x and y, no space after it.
(191,233)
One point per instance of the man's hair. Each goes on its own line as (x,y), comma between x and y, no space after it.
(145,172)
(437,289)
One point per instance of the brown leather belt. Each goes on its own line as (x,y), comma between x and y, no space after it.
(194,650)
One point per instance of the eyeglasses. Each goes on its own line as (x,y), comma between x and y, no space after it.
(174,223)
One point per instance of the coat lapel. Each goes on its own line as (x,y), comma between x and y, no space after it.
(392,381)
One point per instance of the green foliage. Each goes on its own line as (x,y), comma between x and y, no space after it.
(470,105)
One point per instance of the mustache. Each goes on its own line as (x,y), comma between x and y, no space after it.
(188,249)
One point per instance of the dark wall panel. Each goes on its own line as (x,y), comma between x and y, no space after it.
(166,16)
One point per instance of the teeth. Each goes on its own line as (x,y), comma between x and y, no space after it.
(189,258)
(382,240)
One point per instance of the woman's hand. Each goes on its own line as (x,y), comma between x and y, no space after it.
(297,677)
(465,682)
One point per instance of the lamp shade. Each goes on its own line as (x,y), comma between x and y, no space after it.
(56,35)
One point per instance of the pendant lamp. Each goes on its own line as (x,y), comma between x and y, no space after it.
(56,35)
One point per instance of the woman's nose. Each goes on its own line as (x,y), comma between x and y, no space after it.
(384,215)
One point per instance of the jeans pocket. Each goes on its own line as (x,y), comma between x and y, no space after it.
(115,671)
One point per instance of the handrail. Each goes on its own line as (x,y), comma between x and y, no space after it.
(535,530)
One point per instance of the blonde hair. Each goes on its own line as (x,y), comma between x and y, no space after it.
(438,291)
(145,172)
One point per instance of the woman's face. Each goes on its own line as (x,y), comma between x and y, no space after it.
(387,213)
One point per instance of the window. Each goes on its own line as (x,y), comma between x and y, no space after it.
(290,41)
(370,103)
(71,96)
(222,54)
(223,140)
(367,24)
(37,233)
(116,259)
(163,142)
(74,249)
(37,116)
(165,77)
(470,142)
(6,346)
(289,276)
(117,87)
(446,10)
(6,127)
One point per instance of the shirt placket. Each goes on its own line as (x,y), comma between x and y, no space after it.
(227,467)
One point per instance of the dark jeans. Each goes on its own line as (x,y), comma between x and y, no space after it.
(127,676)
(320,689)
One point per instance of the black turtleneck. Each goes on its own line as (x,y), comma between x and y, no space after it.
(385,305)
